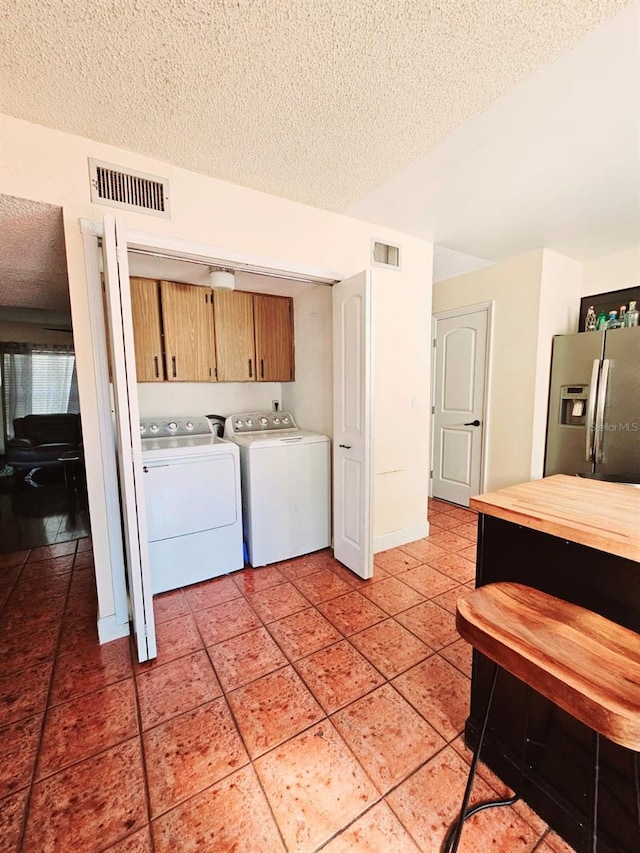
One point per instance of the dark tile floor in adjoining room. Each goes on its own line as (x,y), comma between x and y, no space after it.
(290,708)
(40,512)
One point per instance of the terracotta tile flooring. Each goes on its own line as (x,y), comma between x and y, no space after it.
(291,708)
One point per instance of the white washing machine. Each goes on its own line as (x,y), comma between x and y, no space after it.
(193,502)
(286,486)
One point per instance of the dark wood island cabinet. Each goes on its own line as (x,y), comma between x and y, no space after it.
(579,540)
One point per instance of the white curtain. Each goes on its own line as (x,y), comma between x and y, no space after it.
(37,379)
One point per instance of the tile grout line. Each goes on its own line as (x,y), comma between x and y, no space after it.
(33,782)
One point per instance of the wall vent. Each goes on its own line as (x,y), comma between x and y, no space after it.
(385,255)
(129,190)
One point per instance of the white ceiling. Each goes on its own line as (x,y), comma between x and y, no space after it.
(555,163)
(489,127)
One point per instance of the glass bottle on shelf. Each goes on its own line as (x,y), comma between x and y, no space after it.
(613,322)
(602,321)
(622,314)
(631,317)
(590,321)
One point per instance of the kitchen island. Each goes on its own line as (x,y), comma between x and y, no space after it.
(579,540)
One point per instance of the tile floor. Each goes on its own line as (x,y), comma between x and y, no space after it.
(41,514)
(291,708)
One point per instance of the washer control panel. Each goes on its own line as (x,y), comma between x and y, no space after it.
(163,427)
(259,422)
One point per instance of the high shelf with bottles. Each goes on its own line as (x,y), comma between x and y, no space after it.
(603,304)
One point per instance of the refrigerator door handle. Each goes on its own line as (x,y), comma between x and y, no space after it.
(591,410)
(602,399)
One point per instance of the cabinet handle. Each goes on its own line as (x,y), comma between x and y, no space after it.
(262,368)
(155,362)
(173,366)
(250,368)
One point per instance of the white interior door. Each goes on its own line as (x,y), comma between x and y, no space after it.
(125,391)
(458,412)
(352,406)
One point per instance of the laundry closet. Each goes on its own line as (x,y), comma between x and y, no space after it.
(266,342)
(261,492)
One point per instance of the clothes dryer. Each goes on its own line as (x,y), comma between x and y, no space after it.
(193,504)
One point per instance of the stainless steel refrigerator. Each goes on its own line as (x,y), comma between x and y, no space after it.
(593,427)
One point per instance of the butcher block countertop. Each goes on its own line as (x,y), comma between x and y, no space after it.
(600,515)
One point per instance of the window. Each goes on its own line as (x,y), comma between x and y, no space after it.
(37,379)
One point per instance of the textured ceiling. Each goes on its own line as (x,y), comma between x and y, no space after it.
(315,100)
(33,266)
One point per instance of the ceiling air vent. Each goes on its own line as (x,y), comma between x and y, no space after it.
(129,190)
(386,255)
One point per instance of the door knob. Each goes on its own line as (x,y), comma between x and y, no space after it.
(346,446)
(472,423)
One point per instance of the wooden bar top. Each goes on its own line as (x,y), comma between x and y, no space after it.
(600,515)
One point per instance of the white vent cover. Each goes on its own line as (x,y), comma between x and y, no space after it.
(129,190)
(385,255)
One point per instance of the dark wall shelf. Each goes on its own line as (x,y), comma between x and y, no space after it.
(610,301)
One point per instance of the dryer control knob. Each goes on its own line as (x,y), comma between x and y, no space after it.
(285,420)
(154,427)
(249,422)
(188,425)
(238,423)
(172,426)
(143,429)
(263,421)
(276,420)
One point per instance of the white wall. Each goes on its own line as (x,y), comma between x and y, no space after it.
(535,296)
(49,166)
(205,398)
(402,335)
(613,272)
(310,397)
(514,288)
(560,292)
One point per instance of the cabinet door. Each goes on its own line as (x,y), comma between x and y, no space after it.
(187,316)
(147,333)
(274,337)
(235,347)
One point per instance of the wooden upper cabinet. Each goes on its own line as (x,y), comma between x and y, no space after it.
(235,347)
(147,330)
(273,317)
(187,316)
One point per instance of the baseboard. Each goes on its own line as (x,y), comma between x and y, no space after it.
(400,537)
(109,629)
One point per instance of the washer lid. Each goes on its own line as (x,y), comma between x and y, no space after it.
(280,438)
(186,446)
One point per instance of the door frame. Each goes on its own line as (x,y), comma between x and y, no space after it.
(115,623)
(487,308)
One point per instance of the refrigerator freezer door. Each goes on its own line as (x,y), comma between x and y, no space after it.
(574,374)
(618,423)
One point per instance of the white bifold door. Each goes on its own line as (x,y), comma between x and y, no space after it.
(128,449)
(352,440)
